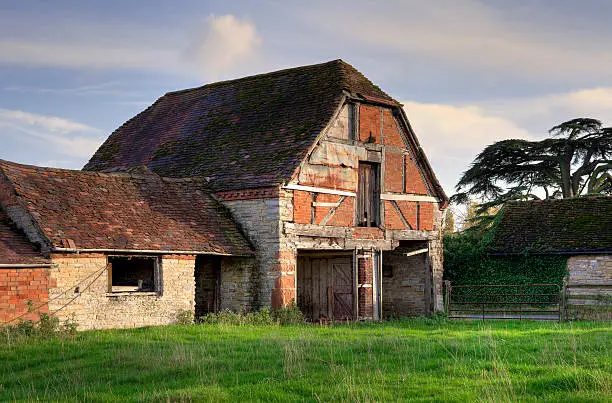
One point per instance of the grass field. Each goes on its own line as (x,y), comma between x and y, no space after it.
(417,360)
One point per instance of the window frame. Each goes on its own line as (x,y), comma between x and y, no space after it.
(374,189)
(157,278)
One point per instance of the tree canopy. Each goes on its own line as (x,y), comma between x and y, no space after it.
(575,159)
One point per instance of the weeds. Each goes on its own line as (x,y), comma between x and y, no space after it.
(45,328)
(289,315)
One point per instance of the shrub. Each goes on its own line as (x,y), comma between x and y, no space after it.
(185,317)
(288,315)
(47,327)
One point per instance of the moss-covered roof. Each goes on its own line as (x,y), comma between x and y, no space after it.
(578,225)
(245,133)
(123,211)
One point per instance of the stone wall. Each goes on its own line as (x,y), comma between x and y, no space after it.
(82,293)
(236,288)
(589,287)
(404,282)
(23,290)
(260,220)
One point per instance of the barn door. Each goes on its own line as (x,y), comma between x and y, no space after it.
(342,289)
(326,287)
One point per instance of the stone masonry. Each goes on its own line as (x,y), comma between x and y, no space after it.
(81,293)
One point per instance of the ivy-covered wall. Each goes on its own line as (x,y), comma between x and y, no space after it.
(466,262)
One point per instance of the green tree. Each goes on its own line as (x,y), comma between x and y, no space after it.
(575,159)
(449,223)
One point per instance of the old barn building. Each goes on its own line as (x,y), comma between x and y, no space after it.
(305,184)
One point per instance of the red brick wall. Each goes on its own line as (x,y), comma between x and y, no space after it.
(369,123)
(365,297)
(426,216)
(302,202)
(20,285)
(391,134)
(344,215)
(321,211)
(368,233)
(393,172)
(392,218)
(409,211)
(414,182)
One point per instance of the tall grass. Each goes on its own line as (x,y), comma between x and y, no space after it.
(419,360)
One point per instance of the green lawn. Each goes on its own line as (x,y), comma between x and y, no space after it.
(417,360)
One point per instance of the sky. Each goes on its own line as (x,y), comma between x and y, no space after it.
(468,72)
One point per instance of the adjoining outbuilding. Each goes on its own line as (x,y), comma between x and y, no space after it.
(577,228)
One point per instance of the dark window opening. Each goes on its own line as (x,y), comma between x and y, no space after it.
(368,195)
(131,273)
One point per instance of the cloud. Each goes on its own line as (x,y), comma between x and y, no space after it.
(452,135)
(65,137)
(473,35)
(225,42)
(83,54)
(218,45)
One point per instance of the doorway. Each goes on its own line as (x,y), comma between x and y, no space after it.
(325,287)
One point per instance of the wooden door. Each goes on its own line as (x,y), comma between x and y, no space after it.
(342,289)
(325,288)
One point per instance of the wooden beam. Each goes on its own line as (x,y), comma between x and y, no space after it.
(331,212)
(407,197)
(293,186)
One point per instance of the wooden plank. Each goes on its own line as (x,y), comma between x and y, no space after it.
(293,186)
(332,211)
(409,197)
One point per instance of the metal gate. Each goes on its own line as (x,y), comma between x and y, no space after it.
(507,301)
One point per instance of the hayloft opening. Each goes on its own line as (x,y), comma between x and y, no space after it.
(132,273)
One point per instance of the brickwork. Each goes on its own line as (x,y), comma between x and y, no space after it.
(365,293)
(369,124)
(22,289)
(391,134)
(344,215)
(392,217)
(403,282)
(84,276)
(322,211)
(302,204)
(426,216)
(414,181)
(409,211)
(368,233)
(393,172)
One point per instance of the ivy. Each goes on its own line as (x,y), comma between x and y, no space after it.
(466,261)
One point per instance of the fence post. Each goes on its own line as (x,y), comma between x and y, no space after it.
(447,294)
(563,301)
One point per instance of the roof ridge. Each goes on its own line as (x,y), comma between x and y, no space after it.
(120,174)
(257,76)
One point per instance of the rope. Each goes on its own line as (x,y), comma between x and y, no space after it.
(99,273)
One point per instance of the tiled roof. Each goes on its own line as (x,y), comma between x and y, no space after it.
(137,211)
(14,246)
(239,134)
(579,225)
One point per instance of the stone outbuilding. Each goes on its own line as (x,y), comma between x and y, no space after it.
(578,228)
(305,185)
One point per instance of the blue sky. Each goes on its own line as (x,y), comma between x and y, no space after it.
(468,72)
